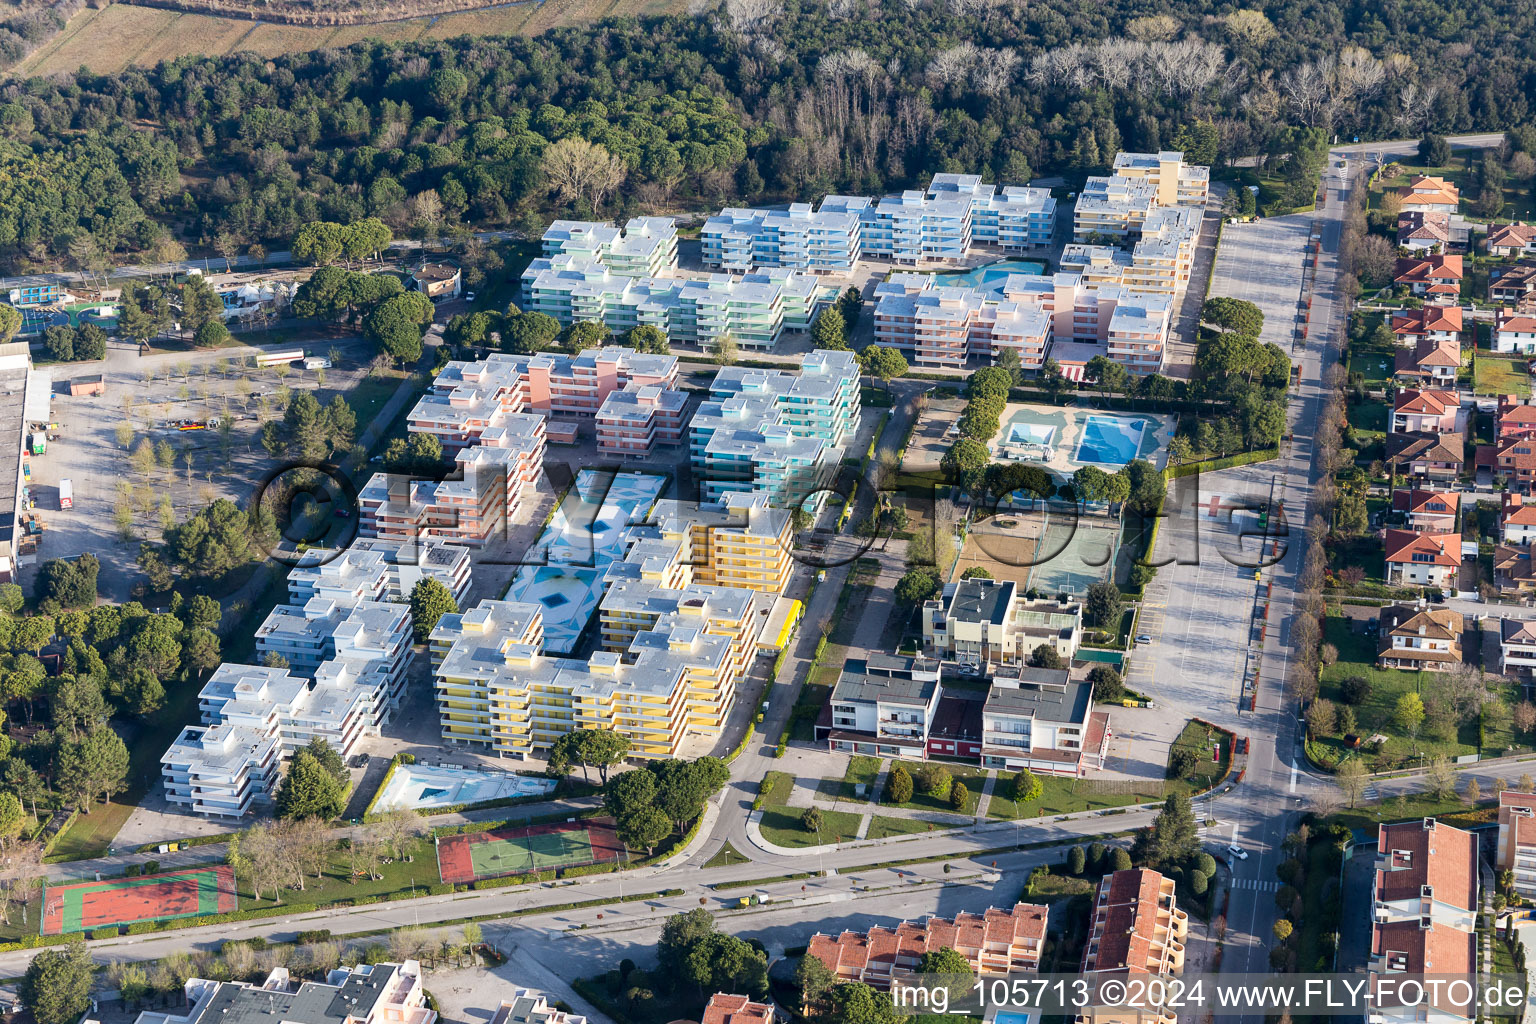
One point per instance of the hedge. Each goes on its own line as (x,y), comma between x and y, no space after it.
(109,932)
(602,868)
(1227,462)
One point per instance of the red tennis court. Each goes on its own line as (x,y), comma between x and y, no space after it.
(191,892)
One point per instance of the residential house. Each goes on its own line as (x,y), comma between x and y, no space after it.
(1422,559)
(1513,571)
(1517,651)
(994,943)
(1420,231)
(1427,510)
(1517,520)
(437,281)
(1415,636)
(1430,362)
(1514,419)
(1428,194)
(529,1007)
(1043,720)
(882,705)
(1513,459)
(1514,332)
(1138,930)
(1427,411)
(1515,286)
(1424,916)
(1432,323)
(732,1009)
(1516,851)
(382,993)
(1434,278)
(1433,456)
(1517,239)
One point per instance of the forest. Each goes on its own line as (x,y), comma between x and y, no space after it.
(751,101)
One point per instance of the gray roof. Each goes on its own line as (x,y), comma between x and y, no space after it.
(312,1003)
(1043,693)
(981,600)
(856,683)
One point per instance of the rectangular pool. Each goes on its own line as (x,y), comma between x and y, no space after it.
(1110,440)
(425,787)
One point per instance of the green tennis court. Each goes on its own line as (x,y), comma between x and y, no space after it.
(515,851)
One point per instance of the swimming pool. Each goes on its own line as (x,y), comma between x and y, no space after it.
(1020,432)
(1110,441)
(585,536)
(992,276)
(422,786)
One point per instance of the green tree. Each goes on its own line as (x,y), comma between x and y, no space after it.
(1408,715)
(645,827)
(211,334)
(645,338)
(59,342)
(1046,656)
(57,985)
(1107,685)
(527,333)
(200,304)
(10,322)
(1104,604)
(830,330)
(309,790)
(1026,787)
(964,456)
(816,981)
(885,363)
(810,820)
(628,792)
(898,786)
(396,325)
(430,601)
(856,1003)
(977,572)
(958,795)
(319,243)
(1236,315)
(917,586)
(1077,860)
(1173,837)
(585,334)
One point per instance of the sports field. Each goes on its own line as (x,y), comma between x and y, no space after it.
(1049,551)
(514,851)
(192,892)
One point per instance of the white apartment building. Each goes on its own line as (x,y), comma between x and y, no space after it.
(372,569)
(645,247)
(1176,181)
(825,241)
(916,227)
(356,653)
(884,706)
(1040,719)
(1037,317)
(382,993)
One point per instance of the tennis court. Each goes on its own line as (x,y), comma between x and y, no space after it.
(1075,552)
(192,892)
(513,851)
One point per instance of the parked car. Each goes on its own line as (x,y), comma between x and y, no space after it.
(1143,639)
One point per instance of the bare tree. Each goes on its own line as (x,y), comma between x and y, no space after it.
(21,871)
(313,845)
(399,829)
(578,169)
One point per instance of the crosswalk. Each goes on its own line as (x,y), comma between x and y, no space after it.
(1255,885)
(1369,793)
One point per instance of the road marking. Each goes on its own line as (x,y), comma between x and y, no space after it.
(1294,774)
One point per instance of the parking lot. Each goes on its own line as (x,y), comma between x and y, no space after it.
(1261,262)
(117,502)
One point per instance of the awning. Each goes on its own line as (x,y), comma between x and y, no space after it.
(1073,372)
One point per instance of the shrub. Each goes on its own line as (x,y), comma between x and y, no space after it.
(1182,763)
(1355,690)
(898,786)
(1077,860)
(109,932)
(935,779)
(958,795)
(811,819)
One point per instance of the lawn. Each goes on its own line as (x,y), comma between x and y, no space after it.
(727,856)
(880,827)
(1500,375)
(1518,203)
(90,835)
(1061,795)
(1200,738)
(862,770)
(1414,806)
(1369,415)
(1376,713)
(1320,900)
(973,778)
(781,824)
(814,694)
(1374,367)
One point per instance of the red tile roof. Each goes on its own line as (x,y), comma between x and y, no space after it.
(852,953)
(730,1009)
(1516,235)
(1443,548)
(1128,902)
(1438,950)
(1428,227)
(1520,515)
(1509,320)
(1431,853)
(1426,189)
(1430,318)
(1425,502)
(1426,401)
(1414,269)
